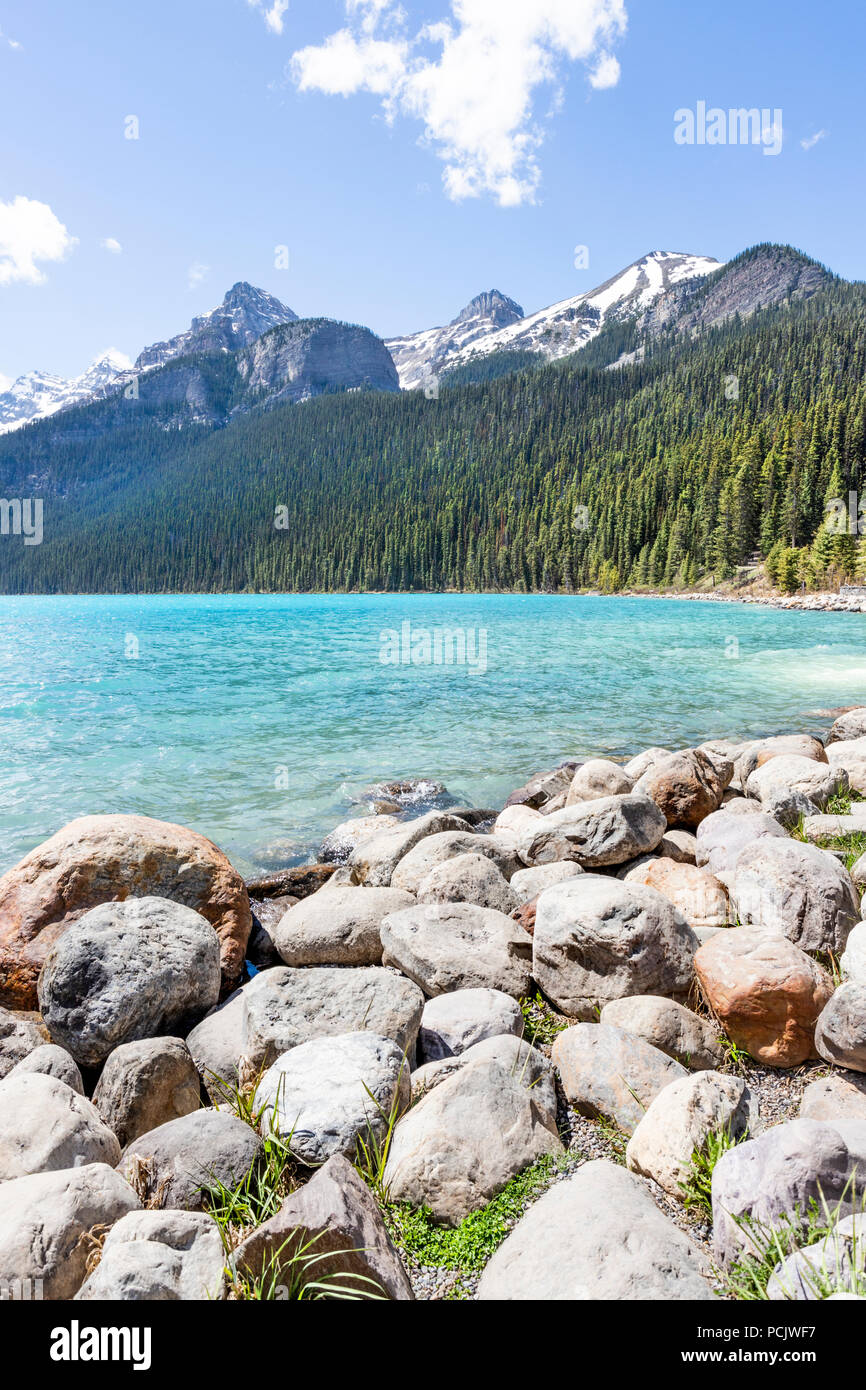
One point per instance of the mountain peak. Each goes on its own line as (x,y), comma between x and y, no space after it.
(244,315)
(491,305)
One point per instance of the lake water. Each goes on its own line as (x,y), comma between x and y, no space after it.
(257,719)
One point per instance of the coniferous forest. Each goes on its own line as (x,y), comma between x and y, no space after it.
(710,451)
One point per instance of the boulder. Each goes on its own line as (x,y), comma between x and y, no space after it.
(850,725)
(852,962)
(338,926)
(596,779)
(817,781)
(335,1224)
(723,836)
(762,750)
(798,890)
(216,1045)
(543,787)
(46,1126)
(608,1072)
(326,1095)
(520,1059)
(128,970)
(788,806)
(679,1121)
(838,1262)
(834,1098)
(818,828)
(345,838)
(597,939)
(679,845)
(453,1022)
(145,1084)
(858,874)
(766,993)
(177,1163)
(466,1139)
(20,1034)
(467,878)
(669,1026)
(105,859)
(850,758)
(515,819)
(596,834)
(766,1181)
(446,946)
(51,1060)
(47,1221)
(435,850)
(374,860)
(159,1256)
(528,883)
(596,1236)
(840,1033)
(687,787)
(637,766)
(284,1008)
(700,897)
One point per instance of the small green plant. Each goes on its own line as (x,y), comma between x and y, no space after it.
(294,1277)
(841,802)
(697,1186)
(540,1023)
(372,1150)
(852,846)
(736,1057)
(766,1246)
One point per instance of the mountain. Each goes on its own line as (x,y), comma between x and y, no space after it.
(244,315)
(560,477)
(493,324)
(311,357)
(38,394)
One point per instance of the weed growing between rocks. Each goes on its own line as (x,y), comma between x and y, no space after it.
(697,1187)
(852,847)
(542,1025)
(837,1266)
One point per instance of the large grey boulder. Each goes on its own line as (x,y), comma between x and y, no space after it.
(216,1045)
(334,1224)
(679,1121)
(284,1008)
(599,777)
(176,1164)
(837,1263)
(723,836)
(465,1140)
(46,1222)
(159,1256)
(46,1126)
(671,1027)
(608,1072)
(596,834)
(20,1034)
(686,786)
(762,750)
(542,787)
(760,1183)
(597,1236)
(453,1022)
(446,946)
(850,756)
(336,847)
(834,1097)
(798,890)
(840,1033)
(145,1084)
(51,1060)
(128,970)
(520,1059)
(436,850)
(338,926)
(598,938)
(528,883)
(817,781)
(642,762)
(850,725)
(467,878)
(325,1095)
(374,860)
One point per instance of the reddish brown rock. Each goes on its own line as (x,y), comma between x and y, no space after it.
(766,993)
(100,859)
(525,916)
(686,786)
(700,897)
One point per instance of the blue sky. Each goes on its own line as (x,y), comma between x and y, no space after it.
(549,125)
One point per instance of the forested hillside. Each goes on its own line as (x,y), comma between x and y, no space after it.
(558,477)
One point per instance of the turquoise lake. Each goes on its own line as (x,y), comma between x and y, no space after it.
(257,719)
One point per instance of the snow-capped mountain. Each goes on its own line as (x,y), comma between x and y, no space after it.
(39,394)
(555,332)
(244,315)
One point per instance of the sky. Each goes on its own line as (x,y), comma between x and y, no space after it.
(384,162)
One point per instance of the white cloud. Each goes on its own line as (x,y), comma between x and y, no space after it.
(5,382)
(111,244)
(30,232)
(273,13)
(12,43)
(471,78)
(812,140)
(196,275)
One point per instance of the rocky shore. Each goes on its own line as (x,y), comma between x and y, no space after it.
(803,602)
(606,1042)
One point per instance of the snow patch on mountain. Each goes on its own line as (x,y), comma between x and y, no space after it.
(36,395)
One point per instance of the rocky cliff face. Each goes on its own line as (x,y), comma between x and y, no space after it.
(244,315)
(313,356)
